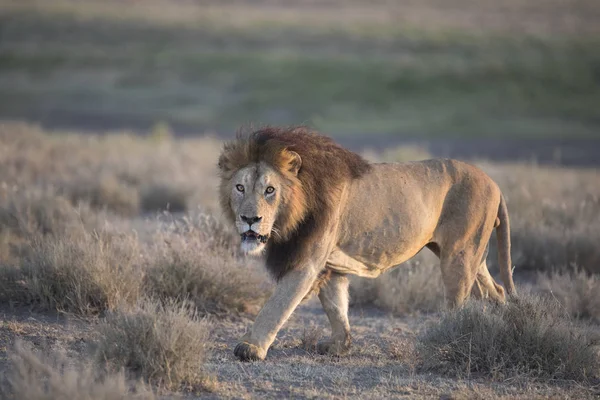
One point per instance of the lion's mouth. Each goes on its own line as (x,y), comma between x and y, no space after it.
(251,235)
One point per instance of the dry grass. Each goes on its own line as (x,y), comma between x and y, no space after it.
(94,254)
(87,272)
(529,338)
(25,214)
(55,377)
(66,245)
(577,291)
(84,273)
(164,198)
(404,350)
(119,172)
(310,338)
(164,344)
(106,192)
(555,215)
(198,261)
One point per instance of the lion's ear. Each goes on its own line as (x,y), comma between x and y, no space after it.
(295,162)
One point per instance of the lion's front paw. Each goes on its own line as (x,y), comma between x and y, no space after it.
(334,347)
(249,352)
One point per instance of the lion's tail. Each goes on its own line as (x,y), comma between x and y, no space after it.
(503,237)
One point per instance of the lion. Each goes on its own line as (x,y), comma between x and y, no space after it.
(319,212)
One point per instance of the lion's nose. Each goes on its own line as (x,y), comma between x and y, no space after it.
(250,220)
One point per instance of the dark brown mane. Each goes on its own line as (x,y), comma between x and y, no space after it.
(326,159)
(325,167)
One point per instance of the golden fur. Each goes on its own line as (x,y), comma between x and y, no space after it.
(333,214)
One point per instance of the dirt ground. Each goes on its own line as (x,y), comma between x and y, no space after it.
(381,363)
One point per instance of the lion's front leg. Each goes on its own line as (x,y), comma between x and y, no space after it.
(289,292)
(334,299)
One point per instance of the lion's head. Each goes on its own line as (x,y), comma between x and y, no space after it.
(280,184)
(261,192)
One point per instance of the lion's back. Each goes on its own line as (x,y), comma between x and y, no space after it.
(413,193)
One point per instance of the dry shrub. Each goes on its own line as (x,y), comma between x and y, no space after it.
(54,377)
(35,212)
(120,172)
(415,286)
(529,338)
(30,213)
(51,254)
(27,218)
(577,291)
(163,343)
(197,262)
(106,193)
(84,273)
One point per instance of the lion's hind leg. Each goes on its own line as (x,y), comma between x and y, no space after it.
(458,276)
(334,299)
(485,287)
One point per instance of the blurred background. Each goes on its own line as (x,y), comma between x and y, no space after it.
(499,80)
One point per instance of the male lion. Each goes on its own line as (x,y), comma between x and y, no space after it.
(320,212)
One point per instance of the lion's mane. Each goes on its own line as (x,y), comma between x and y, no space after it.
(312,194)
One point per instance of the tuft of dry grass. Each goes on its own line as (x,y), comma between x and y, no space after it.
(404,350)
(310,338)
(197,262)
(106,192)
(25,214)
(415,286)
(528,338)
(52,377)
(32,212)
(84,273)
(163,343)
(577,291)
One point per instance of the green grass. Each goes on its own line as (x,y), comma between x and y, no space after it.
(61,69)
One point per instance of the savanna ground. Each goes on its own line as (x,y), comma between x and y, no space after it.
(116,268)
(118,278)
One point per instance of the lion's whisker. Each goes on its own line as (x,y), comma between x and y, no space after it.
(276,232)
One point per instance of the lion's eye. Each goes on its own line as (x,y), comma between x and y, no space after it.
(240,188)
(270,190)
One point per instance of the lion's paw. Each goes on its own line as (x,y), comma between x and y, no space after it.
(249,352)
(333,347)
